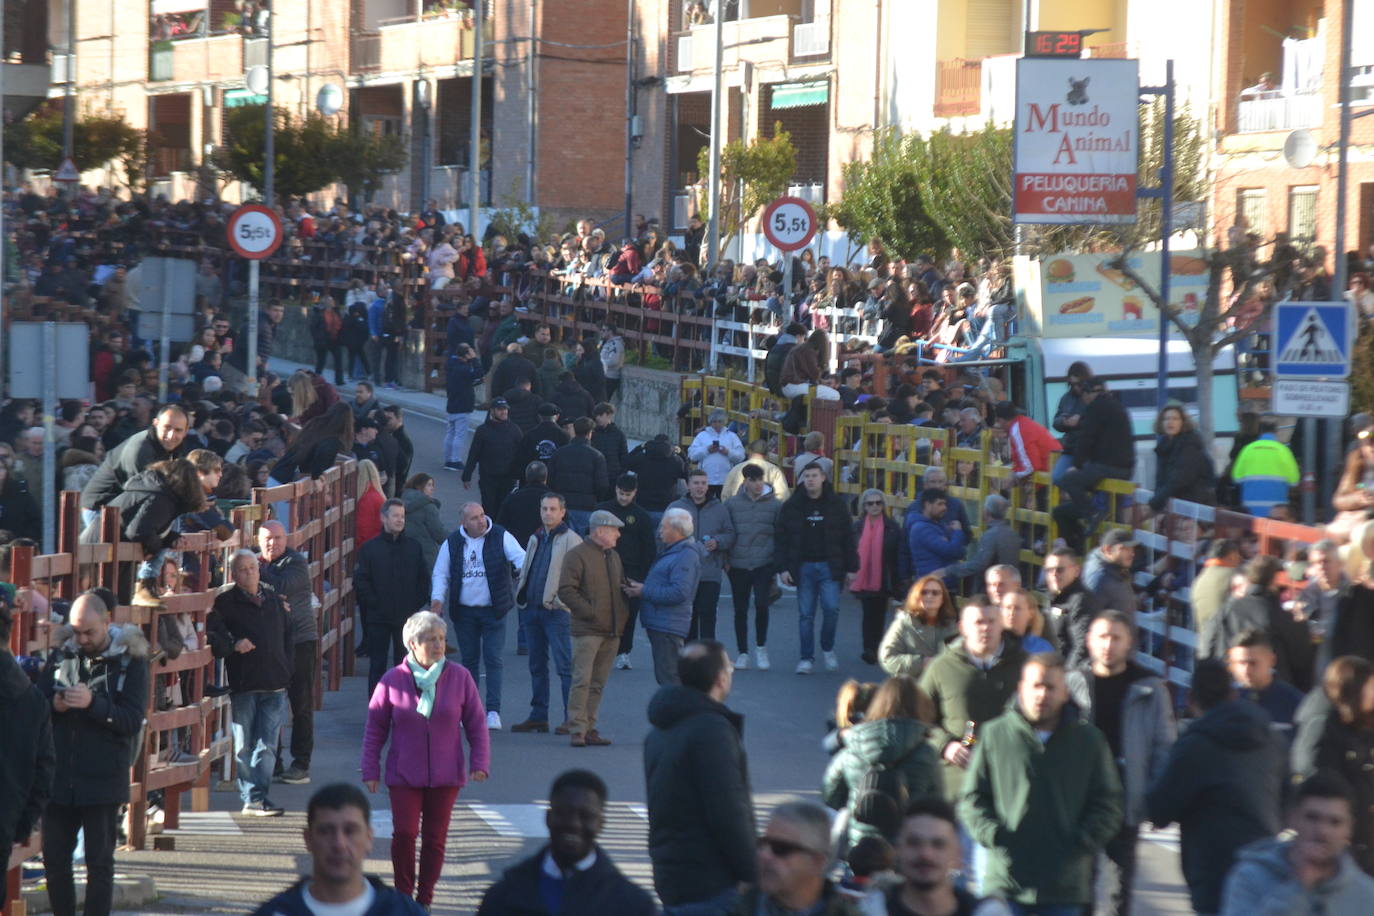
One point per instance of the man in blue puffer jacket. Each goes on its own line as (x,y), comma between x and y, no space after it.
(933,543)
(667,592)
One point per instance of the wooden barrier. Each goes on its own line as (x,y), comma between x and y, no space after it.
(180,714)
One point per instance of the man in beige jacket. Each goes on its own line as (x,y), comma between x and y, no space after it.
(772,474)
(592,587)
(547,623)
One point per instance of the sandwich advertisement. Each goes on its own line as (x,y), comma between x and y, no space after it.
(1081,295)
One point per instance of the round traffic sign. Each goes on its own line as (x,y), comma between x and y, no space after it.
(254,231)
(789,223)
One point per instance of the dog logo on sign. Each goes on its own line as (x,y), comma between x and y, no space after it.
(1078,91)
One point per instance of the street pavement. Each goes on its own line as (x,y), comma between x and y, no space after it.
(224,862)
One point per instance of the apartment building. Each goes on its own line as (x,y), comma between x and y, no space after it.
(1297,42)
(553,125)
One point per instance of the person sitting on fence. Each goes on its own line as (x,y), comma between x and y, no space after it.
(802,368)
(163,440)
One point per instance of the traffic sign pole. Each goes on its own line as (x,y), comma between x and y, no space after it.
(789,223)
(254,233)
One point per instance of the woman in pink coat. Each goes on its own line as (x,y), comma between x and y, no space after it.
(425,704)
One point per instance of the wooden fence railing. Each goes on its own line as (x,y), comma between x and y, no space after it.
(180,715)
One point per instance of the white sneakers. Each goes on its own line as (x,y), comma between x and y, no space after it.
(742,663)
(804,666)
(622,662)
(831,662)
(493,721)
(761,658)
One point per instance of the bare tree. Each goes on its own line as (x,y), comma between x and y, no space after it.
(1212,333)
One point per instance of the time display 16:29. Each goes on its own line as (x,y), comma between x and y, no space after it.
(1054,44)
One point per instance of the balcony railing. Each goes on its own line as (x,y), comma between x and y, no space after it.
(811,39)
(61,68)
(684,53)
(1279,110)
(813,193)
(160,66)
(1116,49)
(958,87)
(365,51)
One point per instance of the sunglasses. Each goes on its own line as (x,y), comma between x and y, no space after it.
(782,848)
(873,502)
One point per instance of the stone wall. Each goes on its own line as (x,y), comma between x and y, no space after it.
(648,402)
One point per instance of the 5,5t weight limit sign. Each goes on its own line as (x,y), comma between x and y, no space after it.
(789,223)
(254,231)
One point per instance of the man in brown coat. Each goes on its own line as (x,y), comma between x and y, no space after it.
(591,585)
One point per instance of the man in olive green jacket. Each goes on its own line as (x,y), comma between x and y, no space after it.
(1042,795)
(970,681)
(591,587)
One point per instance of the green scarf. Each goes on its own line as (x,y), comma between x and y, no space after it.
(425,679)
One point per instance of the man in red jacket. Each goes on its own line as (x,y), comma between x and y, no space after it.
(1032,445)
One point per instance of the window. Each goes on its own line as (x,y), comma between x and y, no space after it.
(1251,205)
(380,125)
(1302,214)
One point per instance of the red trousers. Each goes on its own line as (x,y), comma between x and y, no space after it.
(408,805)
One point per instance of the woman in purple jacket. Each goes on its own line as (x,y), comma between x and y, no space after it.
(424,704)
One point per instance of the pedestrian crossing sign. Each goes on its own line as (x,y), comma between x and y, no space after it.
(1313,339)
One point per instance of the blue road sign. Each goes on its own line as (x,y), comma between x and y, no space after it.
(1313,339)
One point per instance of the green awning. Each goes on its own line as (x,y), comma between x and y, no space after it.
(238,98)
(800,95)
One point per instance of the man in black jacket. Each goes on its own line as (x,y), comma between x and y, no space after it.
(701,830)
(288,572)
(26,766)
(587,881)
(637,548)
(520,516)
(393,426)
(1105,448)
(1221,783)
(493,449)
(816,551)
(1072,607)
(578,471)
(541,441)
(391,582)
(609,440)
(1260,609)
(164,439)
(525,404)
(462,375)
(660,471)
(98,684)
(514,368)
(249,628)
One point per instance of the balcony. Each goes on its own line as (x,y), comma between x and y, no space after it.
(958,87)
(1117,50)
(813,193)
(1279,110)
(400,45)
(160,61)
(764,40)
(984,88)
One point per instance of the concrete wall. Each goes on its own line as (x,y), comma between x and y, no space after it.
(648,402)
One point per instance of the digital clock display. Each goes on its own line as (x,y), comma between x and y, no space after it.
(1054,44)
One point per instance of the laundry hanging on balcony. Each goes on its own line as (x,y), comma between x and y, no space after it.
(1302,64)
(800,95)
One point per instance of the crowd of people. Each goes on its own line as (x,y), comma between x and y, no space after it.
(1007,752)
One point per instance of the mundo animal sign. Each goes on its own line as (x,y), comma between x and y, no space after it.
(1077,141)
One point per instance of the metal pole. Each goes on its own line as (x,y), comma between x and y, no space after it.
(166,342)
(269,142)
(629,112)
(269,181)
(713,176)
(49,489)
(475,126)
(1166,229)
(530,62)
(1335,444)
(69,91)
(4,239)
(254,269)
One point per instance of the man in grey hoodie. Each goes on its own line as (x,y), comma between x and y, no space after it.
(1311,873)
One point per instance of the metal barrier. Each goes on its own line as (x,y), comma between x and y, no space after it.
(180,714)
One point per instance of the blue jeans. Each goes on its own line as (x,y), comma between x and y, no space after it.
(817,583)
(719,905)
(481,636)
(548,631)
(1062,465)
(454,436)
(580,520)
(258,719)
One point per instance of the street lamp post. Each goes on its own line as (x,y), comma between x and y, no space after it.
(713,177)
